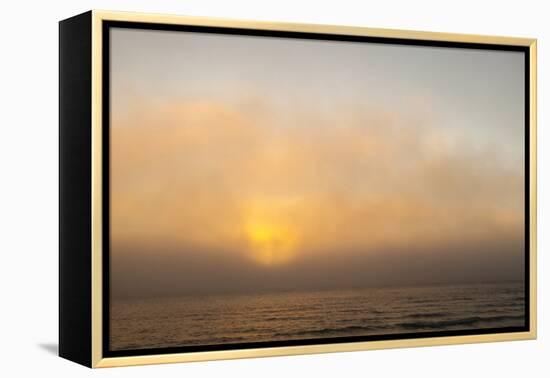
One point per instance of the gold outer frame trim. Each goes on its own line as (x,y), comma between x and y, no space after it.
(97,196)
(97,320)
(533,187)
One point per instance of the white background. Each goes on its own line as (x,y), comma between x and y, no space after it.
(29,189)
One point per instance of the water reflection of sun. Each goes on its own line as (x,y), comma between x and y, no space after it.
(270,243)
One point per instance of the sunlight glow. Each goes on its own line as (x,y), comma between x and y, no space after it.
(270,243)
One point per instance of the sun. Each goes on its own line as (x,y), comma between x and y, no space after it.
(271,244)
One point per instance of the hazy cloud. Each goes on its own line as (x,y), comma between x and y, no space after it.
(190,180)
(246,163)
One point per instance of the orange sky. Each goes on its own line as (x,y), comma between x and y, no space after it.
(267,183)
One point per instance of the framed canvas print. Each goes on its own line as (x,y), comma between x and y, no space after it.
(235,189)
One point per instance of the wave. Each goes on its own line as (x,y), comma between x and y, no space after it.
(503,305)
(429,315)
(329,331)
(458,322)
(289,318)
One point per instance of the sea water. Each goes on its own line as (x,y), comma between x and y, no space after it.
(244,318)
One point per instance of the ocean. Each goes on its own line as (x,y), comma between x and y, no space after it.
(243,318)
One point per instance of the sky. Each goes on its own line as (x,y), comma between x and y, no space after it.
(245,164)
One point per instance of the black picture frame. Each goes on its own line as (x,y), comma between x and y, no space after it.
(76,181)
